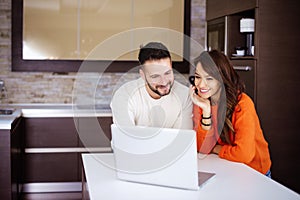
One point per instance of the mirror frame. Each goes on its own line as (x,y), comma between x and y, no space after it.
(64,66)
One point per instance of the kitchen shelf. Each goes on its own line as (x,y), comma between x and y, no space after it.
(242,57)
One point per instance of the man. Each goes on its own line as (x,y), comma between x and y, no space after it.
(155,99)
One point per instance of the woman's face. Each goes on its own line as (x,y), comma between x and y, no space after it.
(207,85)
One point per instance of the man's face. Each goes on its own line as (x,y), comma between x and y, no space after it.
(159,77)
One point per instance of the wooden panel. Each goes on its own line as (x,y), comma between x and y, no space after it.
(248,76)
(53,167)
(85,190)
(105,123)
(16,154)
(235,6)
(50,132)
(219,8)
(94,132)
(215,9)
(5,165)
(278,87)
(11,163)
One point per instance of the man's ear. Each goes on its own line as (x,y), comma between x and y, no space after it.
(142,74)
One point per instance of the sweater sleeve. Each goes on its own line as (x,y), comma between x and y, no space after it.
(122,107)
(246,125)
(206,139)
(187,106)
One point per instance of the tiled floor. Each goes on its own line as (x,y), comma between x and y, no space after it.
(52,196)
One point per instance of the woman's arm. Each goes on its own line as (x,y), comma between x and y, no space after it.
(206,139)
(246,125)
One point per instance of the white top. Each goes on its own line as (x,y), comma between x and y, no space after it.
(7,120)
(234,181)
(132,105)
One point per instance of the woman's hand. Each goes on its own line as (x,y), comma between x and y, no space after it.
(203,103)
(217,149)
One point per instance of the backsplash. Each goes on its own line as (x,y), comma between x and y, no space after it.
(33,87)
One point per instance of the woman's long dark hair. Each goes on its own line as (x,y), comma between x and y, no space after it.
(231,90)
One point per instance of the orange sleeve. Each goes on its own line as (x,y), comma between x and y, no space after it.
(247,128)
(206,139)
(250,147)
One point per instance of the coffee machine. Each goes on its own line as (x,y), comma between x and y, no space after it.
(247,27)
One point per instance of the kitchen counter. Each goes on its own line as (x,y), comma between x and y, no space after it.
(52,110)
(232,181)
(7,120)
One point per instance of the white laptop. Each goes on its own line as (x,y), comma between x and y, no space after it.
(157,156)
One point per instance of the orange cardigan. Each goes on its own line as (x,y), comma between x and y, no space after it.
(250,147)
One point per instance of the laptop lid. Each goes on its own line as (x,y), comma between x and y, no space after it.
(158,156)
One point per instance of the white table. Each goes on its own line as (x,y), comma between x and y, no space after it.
(232,181)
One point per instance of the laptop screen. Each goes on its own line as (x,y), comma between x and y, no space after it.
(159,156)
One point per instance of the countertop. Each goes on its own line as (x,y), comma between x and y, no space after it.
(232,181)
(52,110)
(7,120)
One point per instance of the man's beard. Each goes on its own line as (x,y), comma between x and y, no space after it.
(155,90)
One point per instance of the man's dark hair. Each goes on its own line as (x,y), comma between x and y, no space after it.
(153,51)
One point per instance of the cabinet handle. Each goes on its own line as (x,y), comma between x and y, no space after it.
(242,68)
(68,150)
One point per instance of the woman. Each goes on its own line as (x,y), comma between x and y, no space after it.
(224,117)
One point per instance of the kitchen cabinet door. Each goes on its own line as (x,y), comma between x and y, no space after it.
(50,150)
(219,8)
(246,69)
(51,167)
(5,165)
(94,135)
(11,161)
(50,132)
(94,131)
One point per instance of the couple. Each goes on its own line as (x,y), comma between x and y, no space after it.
(215,106)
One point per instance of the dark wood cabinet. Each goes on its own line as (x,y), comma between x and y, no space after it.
(246,69)
(51,167)
(219,8)
(94,135)
(275,76)
(94,132)
(17,157)
(50,132)
(44,160)
(5,167)
(278,80)
(11,161)
(53,146)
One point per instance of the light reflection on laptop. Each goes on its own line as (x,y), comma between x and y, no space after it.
(157,156)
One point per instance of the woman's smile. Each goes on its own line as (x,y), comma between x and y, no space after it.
(204,91)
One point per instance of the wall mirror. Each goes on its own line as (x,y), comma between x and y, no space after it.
(57,35)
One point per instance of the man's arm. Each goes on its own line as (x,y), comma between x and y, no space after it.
(185,120)
(121,108)
(187,109)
